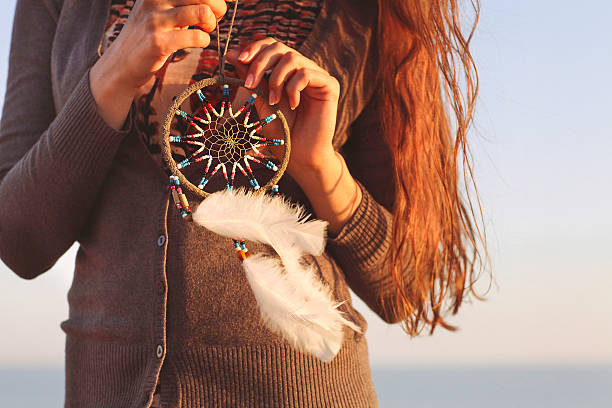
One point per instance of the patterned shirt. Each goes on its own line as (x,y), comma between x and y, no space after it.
(287,21)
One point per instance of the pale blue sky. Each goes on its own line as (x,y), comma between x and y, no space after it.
(542,146)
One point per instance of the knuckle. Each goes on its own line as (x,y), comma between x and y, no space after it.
(157,44)
(292,57)
(277,45)
(302,73)
(198,12)
(286,59)
(207,17)
(292,86)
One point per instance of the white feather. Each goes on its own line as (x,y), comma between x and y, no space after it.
(241,213)
(305,320)
(323,309)
(292,301)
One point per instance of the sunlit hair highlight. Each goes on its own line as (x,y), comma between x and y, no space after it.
(429,82)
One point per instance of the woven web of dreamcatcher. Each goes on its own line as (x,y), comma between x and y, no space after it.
(224,142)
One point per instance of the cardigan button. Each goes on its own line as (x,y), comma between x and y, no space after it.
(161,240)
(160,351)
(160,287)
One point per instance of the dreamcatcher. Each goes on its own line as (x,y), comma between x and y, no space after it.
(225,160)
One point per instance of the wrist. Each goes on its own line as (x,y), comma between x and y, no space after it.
(326,163)
(332,191)
(112,96)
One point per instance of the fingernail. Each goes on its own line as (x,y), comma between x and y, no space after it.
(243,55)
(249,81)
(272,97)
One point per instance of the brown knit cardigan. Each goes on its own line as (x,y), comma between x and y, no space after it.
(154,298)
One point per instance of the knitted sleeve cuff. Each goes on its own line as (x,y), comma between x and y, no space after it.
(82,136)
(362,245)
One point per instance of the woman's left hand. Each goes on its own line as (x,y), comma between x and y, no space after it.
(306,94)
(308,97)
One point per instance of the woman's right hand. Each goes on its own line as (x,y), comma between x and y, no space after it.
(154,30)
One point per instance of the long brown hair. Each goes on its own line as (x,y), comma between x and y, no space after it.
(429,82)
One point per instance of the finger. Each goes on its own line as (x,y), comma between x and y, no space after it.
(218,7)
(250,51)
(253,48)
(280,74)
(307,77)
(199,15)
(295,85)
(264,60)
(170,41)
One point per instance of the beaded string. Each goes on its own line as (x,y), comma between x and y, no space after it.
(241,249)
(180,199)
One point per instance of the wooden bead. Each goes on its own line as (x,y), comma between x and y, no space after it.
(184,201)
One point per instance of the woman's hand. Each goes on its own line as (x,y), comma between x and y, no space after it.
(305,92)
(154,30)
(308,97)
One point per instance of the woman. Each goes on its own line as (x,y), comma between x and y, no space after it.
(160,311)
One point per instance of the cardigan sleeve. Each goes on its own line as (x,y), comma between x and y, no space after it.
(364,241)
(52,164)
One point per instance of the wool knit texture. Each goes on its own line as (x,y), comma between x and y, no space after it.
(66,176)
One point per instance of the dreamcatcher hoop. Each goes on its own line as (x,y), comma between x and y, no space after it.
(174,110)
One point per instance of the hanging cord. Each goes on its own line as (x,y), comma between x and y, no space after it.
(229,34)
